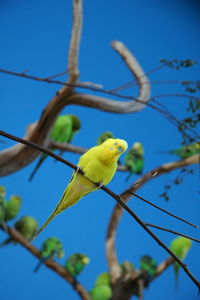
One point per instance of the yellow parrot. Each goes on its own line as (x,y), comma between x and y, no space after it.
(99,164)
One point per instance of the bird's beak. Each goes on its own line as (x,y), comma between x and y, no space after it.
(120,149)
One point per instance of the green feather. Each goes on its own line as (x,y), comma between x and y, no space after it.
(134,159)
(180,246)
(75,264)
(187,151)
(63,131)
(104,136)
(12,207)
(101,292)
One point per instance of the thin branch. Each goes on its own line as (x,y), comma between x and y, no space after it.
(163,210)
(51,264)
(118,211)
(172,231)
(113,195)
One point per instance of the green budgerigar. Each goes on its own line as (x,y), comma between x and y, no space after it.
(102,289)
(104,136)
(180,246)
(149,266)
(51,247)
(134,160)
(27,226)
(63,131)
(101,292)
(76,263)
(12,207)
(187,150)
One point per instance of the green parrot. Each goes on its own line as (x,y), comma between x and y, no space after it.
(12,207)
(2,207)
(76,263)
(51,248)
(149,266)
(104,136)
(63,131)
(103,279)
(186,151)
(27,226)
(101,292)
(180,246)
(134,159)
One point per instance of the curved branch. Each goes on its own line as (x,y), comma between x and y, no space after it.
(111,255)
(51,264)
(140,76)
(18,156)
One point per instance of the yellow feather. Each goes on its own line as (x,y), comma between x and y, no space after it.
(99,164)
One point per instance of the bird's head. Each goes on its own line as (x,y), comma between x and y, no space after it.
(76,126)
(138,147)
(113,148)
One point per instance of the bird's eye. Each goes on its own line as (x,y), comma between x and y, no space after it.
(111,148)
(115,144)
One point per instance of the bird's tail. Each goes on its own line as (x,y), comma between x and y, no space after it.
(42,158)
(129,176)
(42,260)
(55,213)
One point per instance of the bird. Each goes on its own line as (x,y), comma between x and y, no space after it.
(26,226)
(134,160)
(12,207)
(63,131)
(149,266)
(76,263)
(50,248)
(186,150)
(99,165)
(104,136)
(180,246)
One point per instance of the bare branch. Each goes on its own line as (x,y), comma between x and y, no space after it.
(137,71)
(75,42)
(51,264)
(117,212)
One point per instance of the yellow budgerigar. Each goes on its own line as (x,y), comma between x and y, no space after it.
(99,164)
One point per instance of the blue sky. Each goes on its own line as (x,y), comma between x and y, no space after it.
(35,36)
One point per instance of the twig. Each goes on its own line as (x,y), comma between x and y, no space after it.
(174,232)
(51,264)
(163,210)
(113,195)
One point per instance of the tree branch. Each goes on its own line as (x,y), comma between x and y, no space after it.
(51,264)
(119,199)
(75,42)
(111,255)
(18,156)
